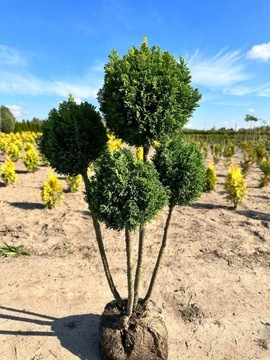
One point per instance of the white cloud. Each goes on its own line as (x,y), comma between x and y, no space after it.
(258,90)
(11,57)
(222,69)
(16,110)
(78,101)
(261,51)
(27,84)
(15,78)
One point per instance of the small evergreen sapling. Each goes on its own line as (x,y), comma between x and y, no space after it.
(235,186)
(13,152)
(210,178)
(8,173)
(74,182)
(52,191)
(31,160)
(265,168)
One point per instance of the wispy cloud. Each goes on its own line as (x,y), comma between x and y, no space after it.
(241,90)
(12,57)
(221,70)
(16,78)
(260,51)
(27,84)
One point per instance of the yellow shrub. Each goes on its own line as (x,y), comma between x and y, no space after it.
(31,160)
(156,144)
(4,142)
(8,173)
(235,185)
(13,152)
(210,178)
(28,137)
(52,191)
(113,143)
(74,182)
(139,153)
(29,146)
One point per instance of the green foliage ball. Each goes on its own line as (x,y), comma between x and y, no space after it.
(125,192)
(72,137)
(181,169)
(147,95)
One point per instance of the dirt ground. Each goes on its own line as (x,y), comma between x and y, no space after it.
(213,288)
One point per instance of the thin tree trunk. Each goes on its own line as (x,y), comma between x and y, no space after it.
(139,266)
(160,255)
(130,279)
(146,150)
(101,248)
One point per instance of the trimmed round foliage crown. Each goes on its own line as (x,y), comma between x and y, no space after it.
(125,192)
(146,95)
(181,169)
(72,137)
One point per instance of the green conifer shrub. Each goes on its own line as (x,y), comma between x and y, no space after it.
(125,192)
(265,168)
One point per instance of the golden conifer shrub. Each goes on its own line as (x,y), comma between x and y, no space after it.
(210,178)
(113,143)
(235,186)
(52,191)
(74,182)
(8,173)
(31,160)
(13,152)
(139,152)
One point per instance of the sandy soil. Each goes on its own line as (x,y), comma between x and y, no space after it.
(214,285)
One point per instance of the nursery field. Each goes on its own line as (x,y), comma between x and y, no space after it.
(213,287)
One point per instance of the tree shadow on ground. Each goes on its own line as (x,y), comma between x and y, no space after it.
(257,215)
(22,172)
(206,206)
(79,334)
(27,205)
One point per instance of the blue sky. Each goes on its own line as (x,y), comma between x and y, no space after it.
(51,48)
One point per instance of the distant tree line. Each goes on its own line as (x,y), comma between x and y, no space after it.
(28,125)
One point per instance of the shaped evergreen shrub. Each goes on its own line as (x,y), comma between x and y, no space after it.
(125,192)
(181,169)
(72,137)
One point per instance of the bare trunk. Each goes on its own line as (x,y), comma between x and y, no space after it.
(160,255)
(101,248)
(130,279)
(139,267)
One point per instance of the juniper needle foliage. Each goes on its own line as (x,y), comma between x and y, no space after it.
(73,137)
(181,169)
(125,192)
(146,95)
